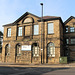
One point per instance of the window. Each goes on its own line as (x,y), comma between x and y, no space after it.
(73,41)
(18,49)
(51,50)
(7,49)
(67,41)
(9,32)
(71,29)
(35,50)
(20,31)
(50,28)
(36,29)
(73,50)
(66,29)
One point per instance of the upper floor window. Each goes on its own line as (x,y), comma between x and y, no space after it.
(20,31)
(50,28)
(67,41)
(73,41)
(36,29)
(72,29)
(9,32)
(66,29)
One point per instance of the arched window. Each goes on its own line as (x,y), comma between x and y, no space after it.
(51,50)
(7,49)
(35,50)
(28,20)
(18,49)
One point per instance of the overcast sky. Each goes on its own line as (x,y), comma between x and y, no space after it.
(10,10)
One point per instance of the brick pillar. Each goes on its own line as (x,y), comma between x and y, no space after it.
(12,51)
(31,31)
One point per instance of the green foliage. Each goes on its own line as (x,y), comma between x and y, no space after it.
(1,34)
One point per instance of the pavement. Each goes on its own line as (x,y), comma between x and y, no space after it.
(41,69)
(37,65)
(36,71)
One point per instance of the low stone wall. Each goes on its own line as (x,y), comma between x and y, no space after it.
(0,57)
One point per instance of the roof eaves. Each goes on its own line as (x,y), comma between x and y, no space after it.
(24,16)
(14,23)
(50,19)
(9,24)
(71,17)
(34,15)
(21,17)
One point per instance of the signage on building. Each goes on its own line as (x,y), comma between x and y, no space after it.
(26,48)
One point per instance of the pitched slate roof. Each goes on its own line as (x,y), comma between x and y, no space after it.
(70,18)
(44,18)
(49,17)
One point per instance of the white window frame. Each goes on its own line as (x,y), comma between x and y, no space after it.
(51,50)
(50,27)
(37,30)
(19,31)
(9,32)
(72,29)
(35,52)
(67,41)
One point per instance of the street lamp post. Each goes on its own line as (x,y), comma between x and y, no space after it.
(41,33)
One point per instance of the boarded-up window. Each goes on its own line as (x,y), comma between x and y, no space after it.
(50,28)
(27,31)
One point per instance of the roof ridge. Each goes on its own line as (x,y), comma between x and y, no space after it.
(54,16)
(71,17)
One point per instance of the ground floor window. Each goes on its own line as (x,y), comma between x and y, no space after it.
(18,49)
(35,50)
(7,49)
(51,50)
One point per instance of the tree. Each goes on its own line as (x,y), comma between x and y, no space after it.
(1,34)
